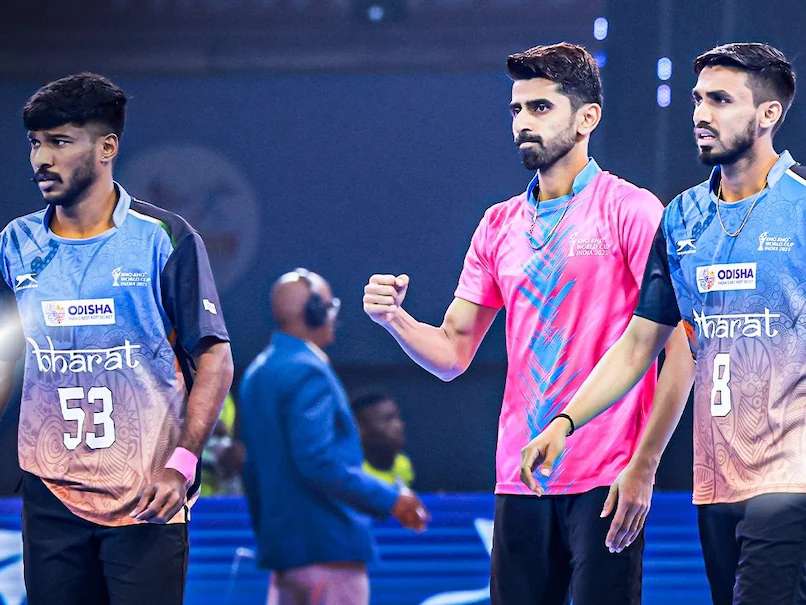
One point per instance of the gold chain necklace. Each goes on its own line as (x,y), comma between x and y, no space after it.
(553,229)
(746,216)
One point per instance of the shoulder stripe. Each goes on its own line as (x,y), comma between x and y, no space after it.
(798,172)
(174,225)
(155,221)
(150,219)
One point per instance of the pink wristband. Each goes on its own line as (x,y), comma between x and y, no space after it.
(183,461)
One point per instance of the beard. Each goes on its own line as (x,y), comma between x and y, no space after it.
(543,155)
(733,152)
(81,180)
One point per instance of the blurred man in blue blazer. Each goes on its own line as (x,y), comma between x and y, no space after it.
(311,502)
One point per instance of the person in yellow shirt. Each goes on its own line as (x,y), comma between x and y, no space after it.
(223,456)
(383,436)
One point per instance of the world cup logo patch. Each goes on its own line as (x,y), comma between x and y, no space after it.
(761,239)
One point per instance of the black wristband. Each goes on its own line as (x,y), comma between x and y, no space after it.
(569,419)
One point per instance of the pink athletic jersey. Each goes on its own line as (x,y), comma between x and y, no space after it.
(566,304)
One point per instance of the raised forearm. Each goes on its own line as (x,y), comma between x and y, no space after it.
(429,346)
(213,379)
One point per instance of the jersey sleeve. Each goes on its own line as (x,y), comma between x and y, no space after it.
(477,282)
(657,301)
(189,294)
(639,218)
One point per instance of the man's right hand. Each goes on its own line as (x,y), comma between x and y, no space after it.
(543,451)
(410,511)
(383,297)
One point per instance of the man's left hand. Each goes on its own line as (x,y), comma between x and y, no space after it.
(163,498)
(632,490)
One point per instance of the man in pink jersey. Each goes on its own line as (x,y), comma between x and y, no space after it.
(565,259)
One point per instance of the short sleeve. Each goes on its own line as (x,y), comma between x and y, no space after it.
(477,283)
(189,294)
(657,301)
(639,219)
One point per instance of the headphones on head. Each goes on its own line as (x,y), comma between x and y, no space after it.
(316,310)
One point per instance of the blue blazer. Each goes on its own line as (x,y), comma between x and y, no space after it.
(309,499)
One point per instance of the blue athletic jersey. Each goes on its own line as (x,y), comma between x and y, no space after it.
(742,299)
(109,325)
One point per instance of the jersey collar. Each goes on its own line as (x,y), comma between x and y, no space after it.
(582,180)
(118,214)
(784,163)
(122,208)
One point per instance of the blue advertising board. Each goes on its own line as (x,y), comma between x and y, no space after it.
(447,565)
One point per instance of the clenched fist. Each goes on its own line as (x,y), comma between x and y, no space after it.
(383,297)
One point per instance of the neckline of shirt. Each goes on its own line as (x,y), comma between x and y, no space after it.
(581,181)
(784,163)
(118,216)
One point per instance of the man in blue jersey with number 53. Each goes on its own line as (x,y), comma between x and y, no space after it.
(127,363)
(729,259)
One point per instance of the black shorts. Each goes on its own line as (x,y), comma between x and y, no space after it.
(755,550)
(547,550)
(71,561)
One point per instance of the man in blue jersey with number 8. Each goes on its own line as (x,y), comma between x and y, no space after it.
(728,260)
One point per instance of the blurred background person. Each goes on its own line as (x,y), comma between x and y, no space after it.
(383,437)
(310,500)
(223,456)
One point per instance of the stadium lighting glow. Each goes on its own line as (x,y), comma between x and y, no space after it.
(601,59)
(375,13)
(664,95)
(664,68)
(600,28)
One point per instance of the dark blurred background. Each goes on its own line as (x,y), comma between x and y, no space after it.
(362,136)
